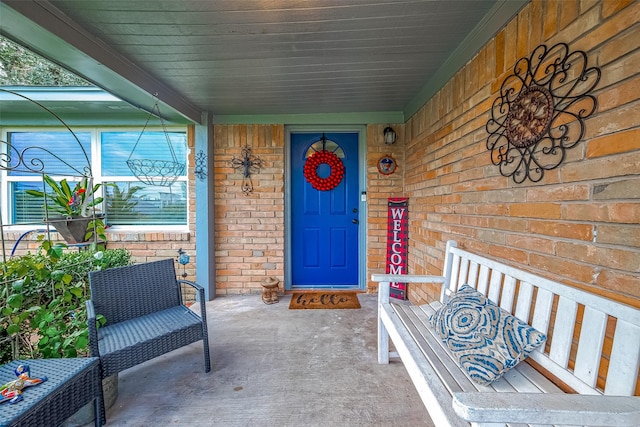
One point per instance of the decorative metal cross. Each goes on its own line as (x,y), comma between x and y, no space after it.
(249,164)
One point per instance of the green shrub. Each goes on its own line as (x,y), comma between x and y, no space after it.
(42,301)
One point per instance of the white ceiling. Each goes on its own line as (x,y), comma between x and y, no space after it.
(243,60)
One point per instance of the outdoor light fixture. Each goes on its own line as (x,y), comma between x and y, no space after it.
(389,135)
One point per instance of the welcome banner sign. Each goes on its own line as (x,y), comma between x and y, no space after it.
(397,237)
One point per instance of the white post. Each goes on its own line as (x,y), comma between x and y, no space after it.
(383,335)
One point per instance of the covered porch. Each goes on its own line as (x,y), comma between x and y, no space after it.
(577,223)
(273,367)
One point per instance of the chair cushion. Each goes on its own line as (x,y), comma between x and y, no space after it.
(487,340)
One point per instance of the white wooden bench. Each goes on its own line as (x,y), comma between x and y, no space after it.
(523,396)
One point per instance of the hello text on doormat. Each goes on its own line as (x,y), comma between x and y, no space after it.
(323,300)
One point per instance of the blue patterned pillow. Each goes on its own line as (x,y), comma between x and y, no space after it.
(487,340)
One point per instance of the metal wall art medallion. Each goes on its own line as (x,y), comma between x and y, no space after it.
(387,165)
(541,112)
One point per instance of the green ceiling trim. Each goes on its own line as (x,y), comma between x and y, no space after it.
(76,119)
(499,15)
(40,27)
(313,119)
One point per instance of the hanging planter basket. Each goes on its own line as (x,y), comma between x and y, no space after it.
(158,172)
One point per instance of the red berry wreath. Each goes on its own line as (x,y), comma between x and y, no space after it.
(311,170)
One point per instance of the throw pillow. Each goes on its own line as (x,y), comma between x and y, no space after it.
(486,340)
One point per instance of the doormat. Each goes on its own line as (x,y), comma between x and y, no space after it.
(323,300)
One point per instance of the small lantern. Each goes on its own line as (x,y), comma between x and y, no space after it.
(389,135)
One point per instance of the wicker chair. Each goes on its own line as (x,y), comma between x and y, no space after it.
(144,313)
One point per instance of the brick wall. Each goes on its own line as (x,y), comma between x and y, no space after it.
(379,189)
(249,229)
(581,223)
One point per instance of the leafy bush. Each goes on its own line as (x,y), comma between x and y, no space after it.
(42,301)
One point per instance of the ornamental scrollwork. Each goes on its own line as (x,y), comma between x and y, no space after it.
(541,112)
(38,159)
(249,164)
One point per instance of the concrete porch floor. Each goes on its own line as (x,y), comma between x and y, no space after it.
(272,366)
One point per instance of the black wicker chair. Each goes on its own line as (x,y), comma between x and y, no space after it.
(145,316)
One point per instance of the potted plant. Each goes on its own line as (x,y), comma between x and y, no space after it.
(78,221)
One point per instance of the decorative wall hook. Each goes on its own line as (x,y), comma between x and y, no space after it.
(540,112)
(249,164)
(201,166)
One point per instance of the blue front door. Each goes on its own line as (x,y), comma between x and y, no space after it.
(324,221)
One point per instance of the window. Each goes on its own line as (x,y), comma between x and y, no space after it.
(127,200)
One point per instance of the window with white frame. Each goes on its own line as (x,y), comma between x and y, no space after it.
(127,200)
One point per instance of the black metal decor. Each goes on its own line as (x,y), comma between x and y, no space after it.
(541,112)
(31,159)
(201,166)
(249,164)
(42,161)
(156,171)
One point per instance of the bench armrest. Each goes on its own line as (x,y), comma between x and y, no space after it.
(406,278)
(92,325)
(552,408)
(200,291)
(386,279)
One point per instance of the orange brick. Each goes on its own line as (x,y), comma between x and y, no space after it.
(535,210)
(564,230)
(555,193)
(557,266)
(627,284)
(596,255)
(568,12)
(524,22)
(591,212)
(535,23)
(610,7)
(507,253)
(621,94)
(619,234)
(616,143)
(499,54)
(550,21)
(530,243)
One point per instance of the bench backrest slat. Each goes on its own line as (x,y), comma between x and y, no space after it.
(464,270)
(473,272)
(508,293)
(620,381)
(557,310)
(562,337)
(494,286)
(542,311)
(523,305)
(483,280)
(594,323)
